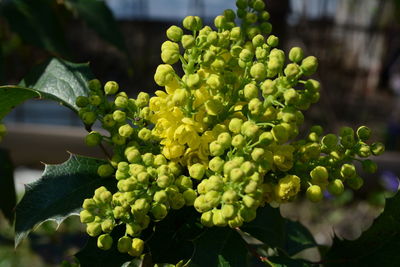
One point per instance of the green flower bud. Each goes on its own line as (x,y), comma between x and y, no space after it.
(330,141)
(159,211)
(246,55)
(170,56)
(215,82)
(94,85)
(235,124)
(238,141)
(197,171)
(89,204)
(236,174)
(206,219)
(216,164)
(160,196)
(86,216)
(247,214)
(296,54)
(235,36)
(132,155)
(107,225)
(193,81)
(174,33)
(249,129)
(220,22)
(188,41)
(93,229)
(229,14)
(347,170)
(309,65)
(159,160)
(266,138)
(105,170)
(363,133)
(104,242)
(192,23)
(258,40)
(164,74)
(251,18)
(189,196)
(230,197)
(218,218)
(168,45)
(144,134)
(317,129)
(224,139)
(125,130)
(273,41)
(118,139)
(363,150)
(119,116)
(336,187)
(266,28)
(355,182)
(258,71)
(137,247)
(280,133)
(268,88)
(89,117)
(124,244)
(292,70)
(255,106)
(82,101)
(291,96)
(216,149)
(369,166)
(319,175)
(258,5)
(377,148)
(314,193)
(93,139)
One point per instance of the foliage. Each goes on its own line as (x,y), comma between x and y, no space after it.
(196,168)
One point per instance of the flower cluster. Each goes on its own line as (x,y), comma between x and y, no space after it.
(221,138)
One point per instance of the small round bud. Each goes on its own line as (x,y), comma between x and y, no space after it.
(314,193)
(93,229)
(363,133)
(170,56)
(174,33)
(347,170)
(292,70)
(124,244)
(192,23)
(93,139)
(89,117)
(119,116)
(144,134)
(187,41)
(197,171)
(330,141)
(235,124)
(137,247)
(82,101)
(258,5)
(336,187)
(86,216)
(355,182)
(125,130)
(238,141)
(377,148)
(309,65)
(273,41)
(164,74)
(258,71)
(94,85)
(258,40)
(111,88)
(296,54)
(105,170)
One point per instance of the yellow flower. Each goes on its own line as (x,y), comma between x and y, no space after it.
(172,150)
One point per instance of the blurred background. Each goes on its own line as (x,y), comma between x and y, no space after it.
(357,43)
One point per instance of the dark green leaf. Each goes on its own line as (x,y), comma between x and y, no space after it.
(60,80)
(91,255)
(268,227)
(220,247)
(37,23)
(11,96)
(377,246)
(58,194)
(7,188)
(100,18)
(297,238)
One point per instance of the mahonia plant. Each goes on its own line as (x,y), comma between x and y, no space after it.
(222,138)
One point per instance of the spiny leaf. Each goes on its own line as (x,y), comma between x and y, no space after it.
(59,80)
(11,96)
(59,193)
(377,246)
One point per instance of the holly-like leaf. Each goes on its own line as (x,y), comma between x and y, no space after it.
(91,255)
(377,246)
(268,227)
(220,247)
(59,193)
(297,238)
(7,187)
(100,18)
(37,23)
(11,96)
(59,80)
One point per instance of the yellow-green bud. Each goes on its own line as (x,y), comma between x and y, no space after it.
(93,138)
(94,85)
(197,171)
(207,219)
(213,107)
(215,82)
(258,5)
(111,88)
(159,211)
(273,41)
(174,33)
(187,41)
(160,196)
(93,229)
(82,101)
(235,124)
(314,193)
(296,54)
(170,56)
(125,130)
(336,187)
(137,247)
(218,218)
(258,40)
(292,70)
(89,117)
(104,241)
(347,170)
(258,71)
(216,164)
(363,150)
(105,170)
(309,65)
(144,134)
(266,28)
(107,225)
(230,197)
(192,23)
(363,133)
(255,106)
(377,148)
(164,74)
(238,141)
(355,182)
(189,196)
(235,34)
(330,141)
(280,133)
(236,174)
(119,116)
(124,244)
(249,129)
(220,21)
(224,139)
(164,181)
(86,216)
(246,55)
